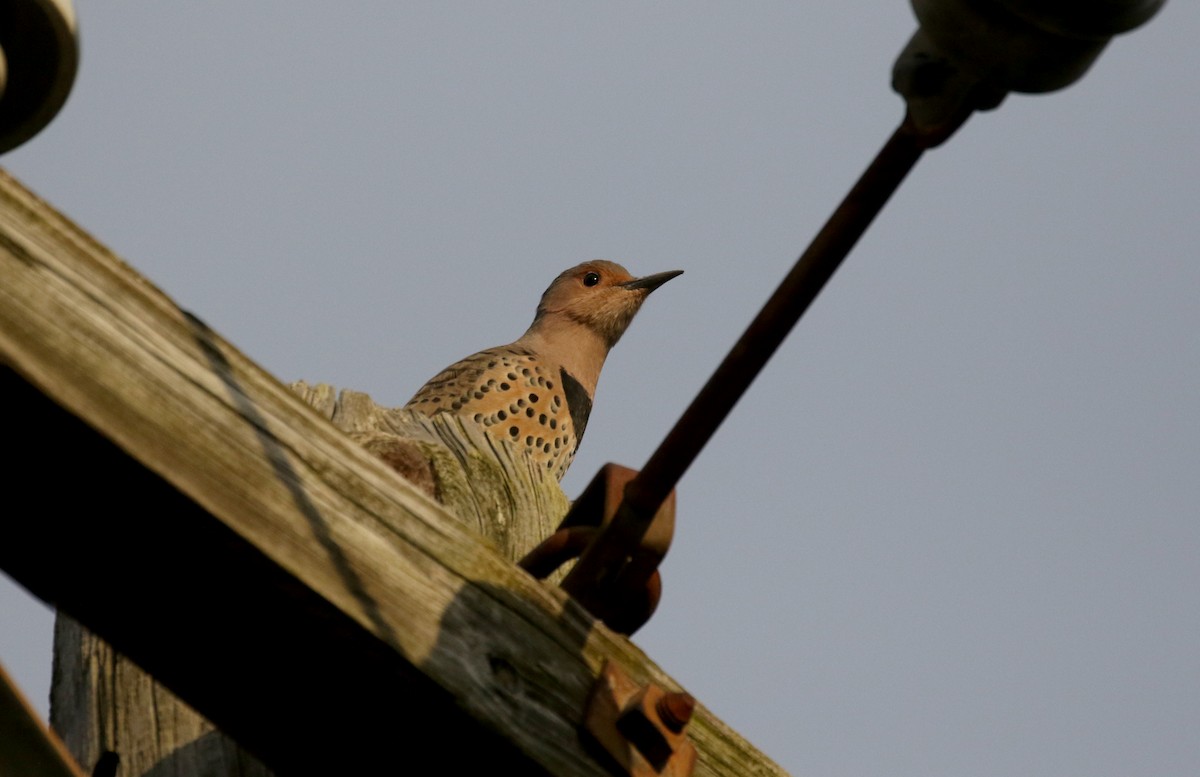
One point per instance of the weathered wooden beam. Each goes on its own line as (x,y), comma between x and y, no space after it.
(320,609)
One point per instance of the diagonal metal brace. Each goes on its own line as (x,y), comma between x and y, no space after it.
(610,553)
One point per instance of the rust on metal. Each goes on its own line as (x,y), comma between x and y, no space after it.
(627,721)
(626,599)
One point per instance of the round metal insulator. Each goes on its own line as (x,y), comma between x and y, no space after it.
(40,53)
(1085,18)
(1028,45)
(968,55)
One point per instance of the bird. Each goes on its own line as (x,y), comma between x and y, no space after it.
(536,392)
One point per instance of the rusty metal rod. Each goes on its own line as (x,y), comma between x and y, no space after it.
(646,492)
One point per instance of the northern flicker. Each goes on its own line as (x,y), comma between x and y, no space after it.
(536,392)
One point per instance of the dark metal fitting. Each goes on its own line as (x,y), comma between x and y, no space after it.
(39,54)
(967,55)
(624,600)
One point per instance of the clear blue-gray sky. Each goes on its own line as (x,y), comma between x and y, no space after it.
(953,527)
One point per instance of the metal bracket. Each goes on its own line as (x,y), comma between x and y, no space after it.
(642,728)
(628,599)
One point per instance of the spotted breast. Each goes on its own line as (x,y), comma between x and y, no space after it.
(537,391)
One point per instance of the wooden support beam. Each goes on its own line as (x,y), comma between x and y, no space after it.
(321,610)
(27,748)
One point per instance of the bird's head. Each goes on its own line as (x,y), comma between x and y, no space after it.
(599,295)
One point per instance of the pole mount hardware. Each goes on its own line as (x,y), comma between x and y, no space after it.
(624,596)
(39,54)
(642,728)
(967,55)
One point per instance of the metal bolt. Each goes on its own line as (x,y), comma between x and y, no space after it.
(675,710)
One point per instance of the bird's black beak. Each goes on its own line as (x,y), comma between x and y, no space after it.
(651,282)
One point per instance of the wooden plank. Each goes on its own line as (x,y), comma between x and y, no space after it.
(27,747)
(292,588)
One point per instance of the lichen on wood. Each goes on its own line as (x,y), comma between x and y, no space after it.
(488,484)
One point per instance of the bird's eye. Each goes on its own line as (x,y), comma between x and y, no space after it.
(591,279)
